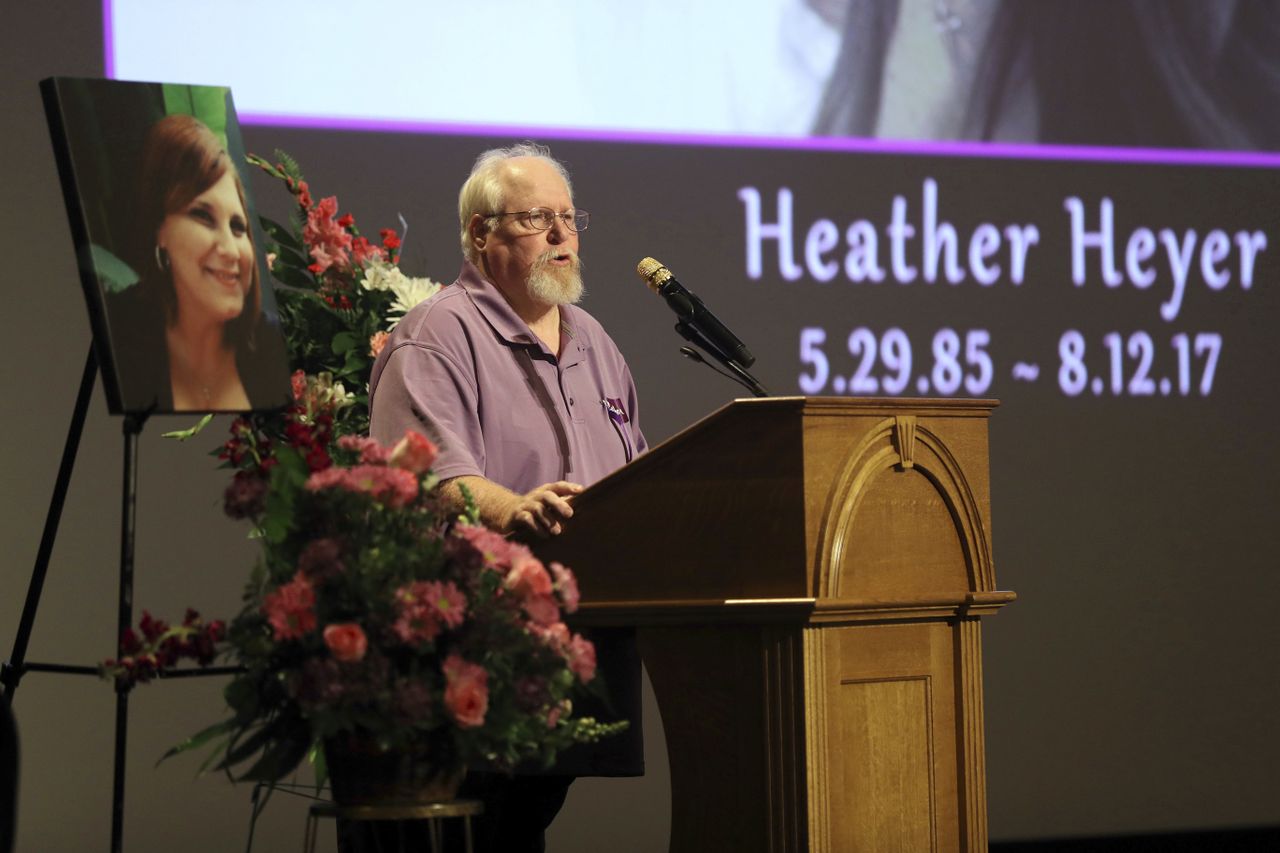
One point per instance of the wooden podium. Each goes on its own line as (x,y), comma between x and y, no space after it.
(807,577)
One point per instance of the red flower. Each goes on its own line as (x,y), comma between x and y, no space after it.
(414,453)
(389,239)
(362,251)
(318,459)
(346,220)
(466,692)
(346,641)
(151,627)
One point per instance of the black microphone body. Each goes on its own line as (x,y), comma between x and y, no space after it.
(691,310)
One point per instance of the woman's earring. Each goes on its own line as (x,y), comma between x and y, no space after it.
(162,259)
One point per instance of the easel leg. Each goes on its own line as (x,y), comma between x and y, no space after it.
(11,671)
(128,524)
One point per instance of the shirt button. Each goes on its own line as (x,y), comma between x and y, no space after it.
(570,401)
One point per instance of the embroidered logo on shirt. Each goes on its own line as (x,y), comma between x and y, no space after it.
(617,414)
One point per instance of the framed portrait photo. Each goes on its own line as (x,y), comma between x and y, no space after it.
(168,246)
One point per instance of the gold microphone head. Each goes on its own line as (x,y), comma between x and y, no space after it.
(653,272)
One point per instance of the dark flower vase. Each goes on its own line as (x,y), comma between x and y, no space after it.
(363,775)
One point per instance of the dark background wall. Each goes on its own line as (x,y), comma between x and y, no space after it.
(1129,690)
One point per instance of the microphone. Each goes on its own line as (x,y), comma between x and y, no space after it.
(690,310)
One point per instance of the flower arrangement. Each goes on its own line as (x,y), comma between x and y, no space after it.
(371,615)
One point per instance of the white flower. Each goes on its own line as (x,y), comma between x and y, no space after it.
(380,275)
(377,275)
(409,292)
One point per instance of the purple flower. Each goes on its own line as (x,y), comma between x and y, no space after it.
(321,559)
(245,495)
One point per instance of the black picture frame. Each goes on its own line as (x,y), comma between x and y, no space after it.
(99,130)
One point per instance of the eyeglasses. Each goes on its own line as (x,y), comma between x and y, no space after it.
(542,218)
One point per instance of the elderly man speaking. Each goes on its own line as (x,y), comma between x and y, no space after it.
(530,401)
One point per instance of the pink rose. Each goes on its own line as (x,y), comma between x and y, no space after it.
(555,635)
(415,453)
(346,641)
(528,578)
(582,658)
(466,692)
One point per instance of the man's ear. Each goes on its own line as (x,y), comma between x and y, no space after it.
(479,231)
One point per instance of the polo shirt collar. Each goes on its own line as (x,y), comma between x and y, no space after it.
(499,314)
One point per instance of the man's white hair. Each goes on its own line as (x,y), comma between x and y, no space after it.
(482,191)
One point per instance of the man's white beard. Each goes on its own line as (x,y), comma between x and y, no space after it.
(556,285)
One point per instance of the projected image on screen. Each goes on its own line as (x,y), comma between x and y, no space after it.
(182,311)
(1097,72)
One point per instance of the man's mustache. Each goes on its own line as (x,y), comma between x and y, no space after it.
(550,255)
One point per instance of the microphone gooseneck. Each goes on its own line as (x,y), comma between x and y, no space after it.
(700,327)
(692,312)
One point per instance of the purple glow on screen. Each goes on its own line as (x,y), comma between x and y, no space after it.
(989,150)
(992,150)
(108,42)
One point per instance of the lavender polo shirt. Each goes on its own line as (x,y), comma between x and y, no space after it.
(465,370)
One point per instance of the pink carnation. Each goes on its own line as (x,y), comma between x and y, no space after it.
(466,692)
(392,486)
(290,609)
(496,550)
(371,452)
(426,608)
(542,609)
(346,642)
(581,655)
(377,342)
(566,586)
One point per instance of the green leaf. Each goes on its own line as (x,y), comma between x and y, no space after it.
(265,165)
(184,434)
(317,758)
(344,342)
(240,749)
(293,277)
(200,738)
(278,759)
(282,235)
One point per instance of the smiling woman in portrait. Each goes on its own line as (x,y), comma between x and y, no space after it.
(198,302)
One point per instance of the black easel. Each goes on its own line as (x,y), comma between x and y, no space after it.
(12,670)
